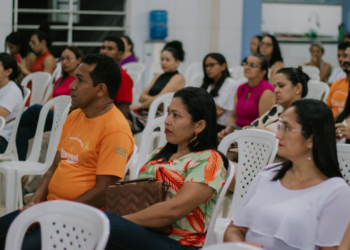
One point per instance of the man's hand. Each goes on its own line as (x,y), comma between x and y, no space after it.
(342,131)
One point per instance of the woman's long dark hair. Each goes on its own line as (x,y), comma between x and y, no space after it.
(78,54)
(9,62)
(225,73)
(18,39)
(201,106)
(295,76)
(276,53)
(316,119)
(129,42)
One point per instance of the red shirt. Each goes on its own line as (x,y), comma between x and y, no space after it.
(124,94)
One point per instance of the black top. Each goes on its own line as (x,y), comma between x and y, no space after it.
(160,83)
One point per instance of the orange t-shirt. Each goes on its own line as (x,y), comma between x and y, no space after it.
(337,95)
(90,147)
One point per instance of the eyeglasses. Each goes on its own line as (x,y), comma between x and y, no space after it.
(252,65)
(285,129)
(210,65)
(265,44)
(66,58)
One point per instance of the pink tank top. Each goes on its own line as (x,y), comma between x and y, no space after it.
(248,110)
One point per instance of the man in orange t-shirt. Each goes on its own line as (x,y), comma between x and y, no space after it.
(340,89)
(95,144)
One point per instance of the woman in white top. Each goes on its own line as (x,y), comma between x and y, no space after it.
(303,203)
(222,88)
(342,123)
(11,96)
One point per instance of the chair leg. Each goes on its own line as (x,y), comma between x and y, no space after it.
(11,192)
(19,190)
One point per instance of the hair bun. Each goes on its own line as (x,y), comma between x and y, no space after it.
(177,45)
(45,28)
(303,74)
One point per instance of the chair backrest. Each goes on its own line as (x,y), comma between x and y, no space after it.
(192,70)
(2,123)
(210,238)
(11,150)
(57,73)
(196,80)
(147,143)
(61,106)
(136,79)
(315,77)
(308,69)
(231,246)
(256,149)
(134,66)
(237,72)
(40,81)
(343,151)
(163,99)
(154,70)
(131,160)
(64,225)
(242,81)
(317,90)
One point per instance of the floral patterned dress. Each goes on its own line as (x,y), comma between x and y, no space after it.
(203,167)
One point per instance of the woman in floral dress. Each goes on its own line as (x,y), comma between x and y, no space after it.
(193,168)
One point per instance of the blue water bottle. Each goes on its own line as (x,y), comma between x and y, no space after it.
(158,24)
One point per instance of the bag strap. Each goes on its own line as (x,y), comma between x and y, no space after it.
(136,181)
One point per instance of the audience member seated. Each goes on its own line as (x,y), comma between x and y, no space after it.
(221,87)
(114,47)
(254,46)
(195,171)
(95,145)
(11,96)
(18,45)
(340,88)
(270,48)
(129,55)
(290,85)
(342,124)
(301,203)
(254,98)
(170,81)
(70,59)
(44,61)
(317,51)
(338,72)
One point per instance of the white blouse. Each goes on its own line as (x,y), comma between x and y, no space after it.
(226,99)
(280,218)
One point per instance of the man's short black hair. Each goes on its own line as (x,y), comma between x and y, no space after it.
(118,41)
(106,71)
(343,45)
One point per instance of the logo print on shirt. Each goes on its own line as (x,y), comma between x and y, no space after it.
(120,151)
(74,146)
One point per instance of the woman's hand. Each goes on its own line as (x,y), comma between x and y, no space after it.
(342,131)
(23,68)
(134,107)
(224,132)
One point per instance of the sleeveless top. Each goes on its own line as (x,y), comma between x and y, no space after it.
(248,109)
(161,82)
(38,64)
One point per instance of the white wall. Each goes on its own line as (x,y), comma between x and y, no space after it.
(293,18)
(190,22)
(5,21)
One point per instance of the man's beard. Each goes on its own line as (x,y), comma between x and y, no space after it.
(346,70)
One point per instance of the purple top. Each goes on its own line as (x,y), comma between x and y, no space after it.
(248,110)
(129,59)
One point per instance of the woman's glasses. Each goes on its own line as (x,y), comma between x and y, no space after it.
(252,65)
(265,44)
(285,129)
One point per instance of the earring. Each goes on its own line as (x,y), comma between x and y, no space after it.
(194,138)
(309,158)
(297,93)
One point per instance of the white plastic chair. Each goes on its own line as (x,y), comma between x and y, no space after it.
(2,123)
(196,80)
(237,72)
(343,151)
(314,77)
(131,161)
(15,170)
(231,64)
(147,144)
(308,69)
(155,69)
(231,246)
(134,66)
(256,149)
(317,90)
(164,100)
(210,237)
(136,79)
(40,81)
(64,225)
(192,70)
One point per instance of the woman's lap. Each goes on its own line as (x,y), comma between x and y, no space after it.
(126,235)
